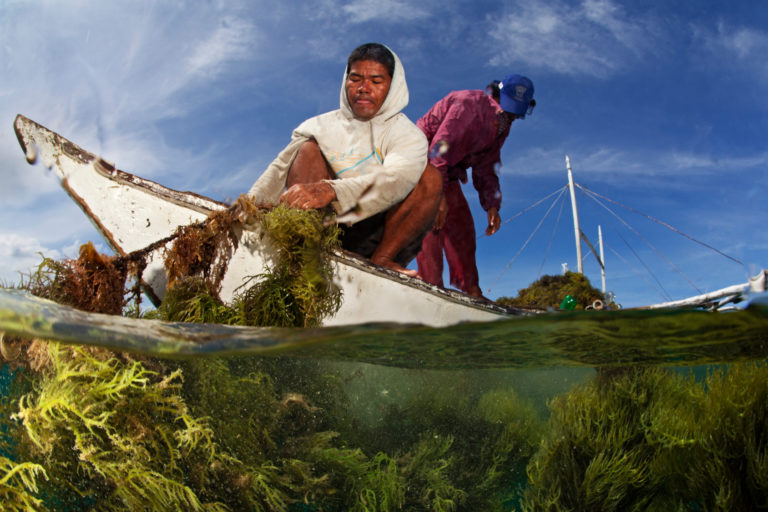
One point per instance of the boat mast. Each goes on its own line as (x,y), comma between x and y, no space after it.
(576,229)
(602,255)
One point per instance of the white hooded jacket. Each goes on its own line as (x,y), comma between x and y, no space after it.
(377,162)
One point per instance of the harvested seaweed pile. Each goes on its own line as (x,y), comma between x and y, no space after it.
(549,291)
(298,291)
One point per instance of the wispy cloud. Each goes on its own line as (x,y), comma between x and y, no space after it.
(731,45)
(595,38)
(360,11)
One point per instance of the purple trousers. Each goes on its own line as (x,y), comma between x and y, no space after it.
(456,240)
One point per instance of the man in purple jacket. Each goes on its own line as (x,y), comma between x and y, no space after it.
(467,129)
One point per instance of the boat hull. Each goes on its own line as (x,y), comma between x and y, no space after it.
(133,213)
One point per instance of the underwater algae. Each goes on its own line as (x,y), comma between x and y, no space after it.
(640,438)
(86,428)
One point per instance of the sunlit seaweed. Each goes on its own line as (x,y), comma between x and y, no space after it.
(299,291)
(93,282)
(203,249)
(549,291)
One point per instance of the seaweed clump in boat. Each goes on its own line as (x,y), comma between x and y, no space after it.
(203,249)
(549,291)
(298,291)
(93,282)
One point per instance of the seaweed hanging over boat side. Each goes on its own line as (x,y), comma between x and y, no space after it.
(92,282)
(299,290)
(203,249)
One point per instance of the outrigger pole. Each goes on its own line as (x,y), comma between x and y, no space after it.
(576,229)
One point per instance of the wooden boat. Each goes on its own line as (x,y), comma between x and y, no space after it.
(133,213)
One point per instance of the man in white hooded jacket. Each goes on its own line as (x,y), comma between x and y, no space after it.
(367,160)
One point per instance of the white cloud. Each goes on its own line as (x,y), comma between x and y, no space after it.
(361,11)
(20,255)
(230,41)
(595,38)
(733,45)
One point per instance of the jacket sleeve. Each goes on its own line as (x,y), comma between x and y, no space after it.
(404,158)
(485,177)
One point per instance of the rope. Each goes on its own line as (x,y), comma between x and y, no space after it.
(587,191)
(674,267)
(552,238)
(562,191)
(534,205)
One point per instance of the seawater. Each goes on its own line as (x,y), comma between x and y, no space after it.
(566,411)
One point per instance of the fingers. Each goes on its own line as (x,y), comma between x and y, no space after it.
(308,195)
(297,197)
(494,222)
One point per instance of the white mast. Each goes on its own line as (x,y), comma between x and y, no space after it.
(576,229)
(602,255)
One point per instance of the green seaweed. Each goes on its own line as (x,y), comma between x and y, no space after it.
(18,485)
(648,439)
(549,291)
(299,290)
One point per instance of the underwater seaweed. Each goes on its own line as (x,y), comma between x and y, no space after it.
(18,485)
(648,439)
(114,431)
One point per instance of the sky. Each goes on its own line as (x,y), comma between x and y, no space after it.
(660,106)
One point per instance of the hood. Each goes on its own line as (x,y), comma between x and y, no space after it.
(397,98)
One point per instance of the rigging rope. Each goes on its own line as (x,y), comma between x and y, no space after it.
(674,267)
(663,292)
(562,191)
(587,191)
(552,238)
(639,273)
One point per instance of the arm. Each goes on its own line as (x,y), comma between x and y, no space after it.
(486,181)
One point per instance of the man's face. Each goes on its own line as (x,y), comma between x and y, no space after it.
(367,86)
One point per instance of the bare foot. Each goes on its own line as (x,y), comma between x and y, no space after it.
(393,265)
(477,292)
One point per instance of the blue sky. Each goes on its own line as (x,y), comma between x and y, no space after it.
(661,106)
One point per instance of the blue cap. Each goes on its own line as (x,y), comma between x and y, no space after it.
(516,95)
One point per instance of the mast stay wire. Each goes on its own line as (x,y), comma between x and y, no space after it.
(552,238)
(674,267)
(562,191)
(531,207)
(663,224)
(664,295)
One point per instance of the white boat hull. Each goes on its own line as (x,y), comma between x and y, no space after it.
(133,213)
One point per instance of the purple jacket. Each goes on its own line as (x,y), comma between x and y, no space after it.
(468,122)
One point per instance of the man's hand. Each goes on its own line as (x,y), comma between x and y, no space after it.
(442,213)
(308,195)
(494,221)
